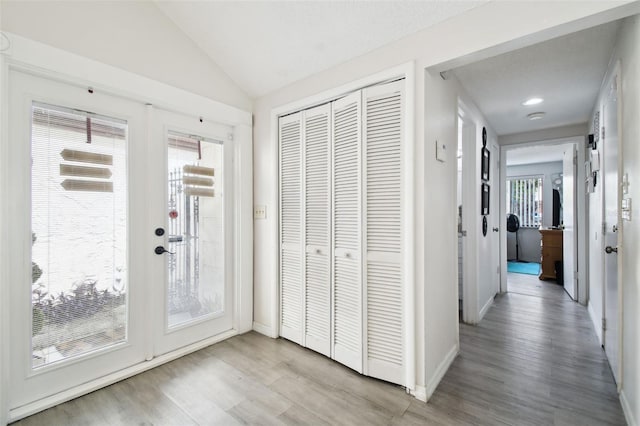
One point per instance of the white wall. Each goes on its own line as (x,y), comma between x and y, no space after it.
(132,35)
(628,52)
(529,239)
(511,25)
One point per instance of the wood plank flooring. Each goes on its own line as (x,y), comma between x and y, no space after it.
(533,360)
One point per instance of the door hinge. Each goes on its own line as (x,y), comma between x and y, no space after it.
(602,132)
(604,228)
(604,324)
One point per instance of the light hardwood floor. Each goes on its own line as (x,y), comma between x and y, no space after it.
(533,360)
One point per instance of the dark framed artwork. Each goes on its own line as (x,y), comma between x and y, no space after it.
(486,162)
(486,192)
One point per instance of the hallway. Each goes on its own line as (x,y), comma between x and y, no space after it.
(533,360)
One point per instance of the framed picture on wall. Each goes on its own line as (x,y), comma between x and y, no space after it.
(485,199)
(484,171)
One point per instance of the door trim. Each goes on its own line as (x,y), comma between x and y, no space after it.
(582,292)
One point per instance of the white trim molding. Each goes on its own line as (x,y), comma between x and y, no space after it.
(626,409)
(485,308)
(419,393)
(265,330)
(441,371)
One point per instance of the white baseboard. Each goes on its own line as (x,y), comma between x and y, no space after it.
(263,329)
(69,394)
(441,371)
(484,309)
(597,323)
(419,393)
(626,409)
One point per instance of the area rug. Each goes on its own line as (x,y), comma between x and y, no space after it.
(530,268)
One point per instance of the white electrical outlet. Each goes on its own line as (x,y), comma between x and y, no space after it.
(260,212)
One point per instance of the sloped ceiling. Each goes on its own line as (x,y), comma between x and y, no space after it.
(266,45)
(566,72)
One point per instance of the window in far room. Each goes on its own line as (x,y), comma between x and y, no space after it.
(524,199)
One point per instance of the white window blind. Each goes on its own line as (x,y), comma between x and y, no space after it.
(524,199)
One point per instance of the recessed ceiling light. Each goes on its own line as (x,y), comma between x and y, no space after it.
(535,115)
(533,101)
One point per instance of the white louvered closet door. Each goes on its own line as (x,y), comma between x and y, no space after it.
(317,215)
(382,128)
(347,239)
(291,262)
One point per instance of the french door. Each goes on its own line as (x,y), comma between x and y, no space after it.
(119,234)
(190,229)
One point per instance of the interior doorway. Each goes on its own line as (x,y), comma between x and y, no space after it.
(542,214)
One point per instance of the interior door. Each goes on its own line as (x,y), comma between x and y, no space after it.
(347,252)
(190,203)
(78,273)
(569,235)
(291,271)
(317,226)
(382,141)
(611,188)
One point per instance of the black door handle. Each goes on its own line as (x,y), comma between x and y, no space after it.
(496,230)
(162,250)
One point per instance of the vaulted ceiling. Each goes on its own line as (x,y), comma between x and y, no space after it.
(266,45)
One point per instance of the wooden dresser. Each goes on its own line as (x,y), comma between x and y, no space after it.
(551,252)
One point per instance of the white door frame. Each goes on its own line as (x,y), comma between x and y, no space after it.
(58,65)
(470,308)
(581,209)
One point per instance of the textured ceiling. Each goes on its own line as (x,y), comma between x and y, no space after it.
(266,45)
(567,72)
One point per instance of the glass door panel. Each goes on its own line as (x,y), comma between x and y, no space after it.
(195,264)
(79,233)
(78,268)
(193,207)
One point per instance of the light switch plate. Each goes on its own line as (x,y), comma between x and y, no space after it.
(260,212)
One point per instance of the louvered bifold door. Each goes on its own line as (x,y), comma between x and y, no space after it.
(291,265)
(347,223)
(317,214)
(382,128)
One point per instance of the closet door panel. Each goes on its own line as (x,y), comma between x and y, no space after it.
(382,127)
(291,261)
(347,235)
(317,215)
